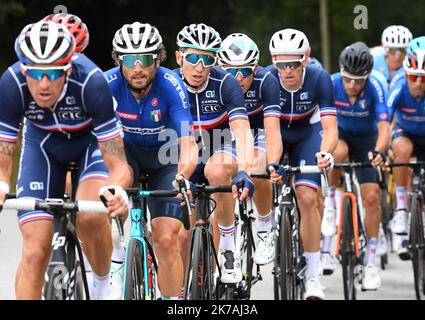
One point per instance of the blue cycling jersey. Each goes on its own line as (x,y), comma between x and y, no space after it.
(369,108)
(314,63)
(165,106)
(409,112)
(85,104)
(380,64)
(312,100)
(262,98)
(219,101)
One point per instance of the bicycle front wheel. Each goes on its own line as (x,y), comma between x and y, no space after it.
(134,286)
(417,244)
(284,275)
(348,255)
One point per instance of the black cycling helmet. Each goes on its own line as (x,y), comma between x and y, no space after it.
(356,59)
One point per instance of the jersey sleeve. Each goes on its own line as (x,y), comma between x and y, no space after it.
(179,107)
(325,94)
(393,101)
(233,99)
(270,96)
(378,92)
(11,107)
(98,102)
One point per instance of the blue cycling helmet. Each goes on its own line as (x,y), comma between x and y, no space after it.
(415,58)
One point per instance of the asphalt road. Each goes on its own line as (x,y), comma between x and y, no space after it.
(397,279)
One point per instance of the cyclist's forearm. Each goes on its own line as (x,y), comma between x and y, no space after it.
(116,162)
(188,156)
(274,147)
(383,136)
(6,160)
(330,134)
(244,144)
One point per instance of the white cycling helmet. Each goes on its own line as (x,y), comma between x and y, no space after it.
(199,36)
(289,41)
(396,37)
(238,50)
(45,42)
(137,38)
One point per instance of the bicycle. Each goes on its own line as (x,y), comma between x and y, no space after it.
(289,263)
(202,256)
(245,246)
(416,228)
(65,276)
(351,237)
(140,266)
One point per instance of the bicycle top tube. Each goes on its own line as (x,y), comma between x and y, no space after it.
(55,205)
(140,193)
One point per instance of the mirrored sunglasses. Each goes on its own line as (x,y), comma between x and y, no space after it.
(145,60)
(52,73)
(245,72)
(288,64)
(194,58)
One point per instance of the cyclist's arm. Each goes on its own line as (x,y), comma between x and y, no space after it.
(99,103)
(244,143)
(12,108)
(233,98)
(274,146)
(327,113)
(330,134)
(270,96)
(115,160)
(383,136)
(180,122)
(188,156)
(7,150)
(382,116)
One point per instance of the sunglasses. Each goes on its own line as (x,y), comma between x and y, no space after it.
(52,73)
(294,64)
(245,72)
(355,79)
(145,60)
(194,58)
(401,51)
(414,77)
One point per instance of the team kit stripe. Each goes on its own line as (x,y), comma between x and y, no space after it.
(307,183)
(34,216)
(63,127)
(109,135)
(95,175)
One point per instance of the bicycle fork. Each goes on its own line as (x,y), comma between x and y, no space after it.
(136,232)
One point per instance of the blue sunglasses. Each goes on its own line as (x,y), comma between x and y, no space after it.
(194,58)
(38,73)
(245,72)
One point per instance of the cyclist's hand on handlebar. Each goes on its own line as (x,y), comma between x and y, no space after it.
(325,160)
(377,158)
(115,199)
(248,189)
(184,186)
(275,171)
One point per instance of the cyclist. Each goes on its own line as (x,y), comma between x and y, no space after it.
(69,117)
(406,102)
(364,133)
(309,131)
(239,56)
(217,105)
(388,58)
(151,101)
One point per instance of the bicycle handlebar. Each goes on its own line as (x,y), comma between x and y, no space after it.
(55,204)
